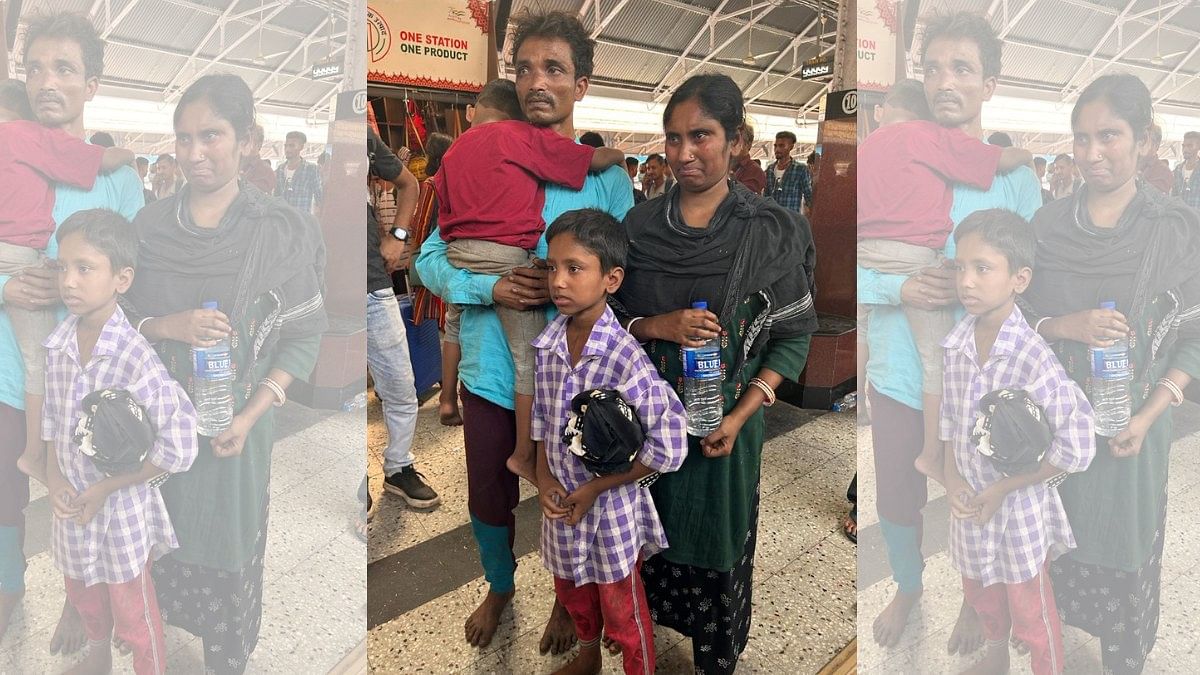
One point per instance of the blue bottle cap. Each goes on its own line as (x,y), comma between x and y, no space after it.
(700,304)
(208,304)
(1108,304)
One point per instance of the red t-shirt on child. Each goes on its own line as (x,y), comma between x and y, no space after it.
(31,158)
(905,171)
(490,184)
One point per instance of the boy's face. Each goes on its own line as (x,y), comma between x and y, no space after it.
(86,278)
(577,284)
(986,285)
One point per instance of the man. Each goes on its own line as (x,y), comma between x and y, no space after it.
(64,61)
(1063,182)
(654,184)
(1152,170)
(789,182)
(961,61)
(552,54)
(745,171)
(631,167)
(1039,168)
(166,181)
(1187,179)
(143,169)
(297,181)
(256,170)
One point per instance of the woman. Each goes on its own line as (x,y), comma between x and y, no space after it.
(262,261)
(1118,239)
(709,238)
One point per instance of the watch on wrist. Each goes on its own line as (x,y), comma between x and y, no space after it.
(399,233)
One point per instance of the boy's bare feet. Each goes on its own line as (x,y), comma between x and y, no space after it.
(8,604)
(890,623)
(97,660)
(523,467)
(481,625)
(610,645)
(932,466)
(68,634)
(967,635)
(33,464)
(994,661)
(559,635)
(448,412)
(586,662)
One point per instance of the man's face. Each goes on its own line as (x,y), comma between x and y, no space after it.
(546,82)
(954,82)
(783,148)
(1063,170)
(1040,169)
(632,170)
(1190,146)
(55,82)
(292,148)
(142,169)
(654,171)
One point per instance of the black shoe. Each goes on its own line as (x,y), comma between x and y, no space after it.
(410,484)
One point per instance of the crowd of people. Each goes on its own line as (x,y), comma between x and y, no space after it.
(1066,527)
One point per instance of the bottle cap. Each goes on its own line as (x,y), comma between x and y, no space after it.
(700,304)
(1108,304)
(208,304)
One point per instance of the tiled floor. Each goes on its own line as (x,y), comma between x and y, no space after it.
(314,599)
(922,648)
(804,575)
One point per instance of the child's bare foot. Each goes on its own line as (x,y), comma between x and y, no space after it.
(931,465)
(586,662)
(890,623)
(33,464)
(97,660)
(448,413)
(559,635)
(967,635)
(8,604)
(610,645)
(994,661)
(523,467)
(68,634)
(481,625)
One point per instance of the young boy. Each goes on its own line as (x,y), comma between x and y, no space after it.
(490,198)
(597,529)
(32,157)
(108,529)
(904,199)
(1006,529)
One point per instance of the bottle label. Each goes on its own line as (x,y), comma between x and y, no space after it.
(702,364)
(1110,364)
(211,364)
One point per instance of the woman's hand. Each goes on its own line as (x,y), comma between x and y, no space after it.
(1128,443)
(33,288)
(229,443)
(720,442)
(930,288)
(195,327)
(580,502)
(685,327)
(1092,327)
(525,288)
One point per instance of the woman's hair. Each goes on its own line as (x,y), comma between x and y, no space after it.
(229,98)
(1126,96)
(718,96)
(435,149)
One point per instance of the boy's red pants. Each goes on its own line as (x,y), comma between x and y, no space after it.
(1027,610)
(131,611)
(619,610)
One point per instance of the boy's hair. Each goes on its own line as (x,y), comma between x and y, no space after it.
(1004,231)
(141,161)
(909,94)
(102,139)
(501,95)
(592,138)
(596,231)
(1039,160)
(632,162)
(1000,139)
(14,99)
(1065,158)
(106,230)
(298,135)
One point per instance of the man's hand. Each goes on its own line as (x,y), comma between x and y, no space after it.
(33,288)
(525,288)
(930,288)
(395,253)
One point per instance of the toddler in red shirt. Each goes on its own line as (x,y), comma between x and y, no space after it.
(32,159)
(905,192)
(490,192)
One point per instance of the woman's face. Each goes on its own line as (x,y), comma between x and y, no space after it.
(1106,147)
(207,148)
(697,150)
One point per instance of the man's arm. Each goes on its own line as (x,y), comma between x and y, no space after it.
(407,193)
(448,282)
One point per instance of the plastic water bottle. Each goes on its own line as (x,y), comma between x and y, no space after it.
(212,386)
(702,385)
(1110,384)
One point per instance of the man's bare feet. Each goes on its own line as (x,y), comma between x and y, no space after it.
(448,413)
(8,604)
(931,464)
(559,635)
(33,464)
(586,662)
(967,635)
(524,468)
(994,661)
(481,625)
(97,660)
(68,634)
(890,623)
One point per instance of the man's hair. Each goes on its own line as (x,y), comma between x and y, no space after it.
(563,26)
(1066,158)
(747,134)
(141,161)
(592,138)
(632,162)
(786,134)
(656,157)
(70,26)
(1004,231)
(965,26)
(1155,134)
(167,156)
(596,231)
(14,99)
(1039,160)
(258,134)
(501,95)
(296,134)
(107,231)
(1000,139)
(909,94)
(1191,135)
(103,139)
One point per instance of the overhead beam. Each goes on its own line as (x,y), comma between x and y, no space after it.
(664,88)
(303,45)
(708,26)
(217,25)
(1129,47)
(173,95)
(1015,19)
(612,14)
(1101,42)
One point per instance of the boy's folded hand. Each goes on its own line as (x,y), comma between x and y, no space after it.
(580,502)
(552,496)
(62,500)
(90,501)
(986,503)
(961,496)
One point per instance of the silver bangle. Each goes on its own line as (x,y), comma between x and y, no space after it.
(280,395)
(629,328)
(140,323)
(1037,326)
